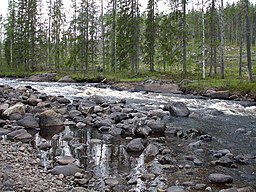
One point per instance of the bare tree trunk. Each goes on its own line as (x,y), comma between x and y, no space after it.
(203,40)
(184,41)
(248,40)
(103,36)
(241,44)
(222,41)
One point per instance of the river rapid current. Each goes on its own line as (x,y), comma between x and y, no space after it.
(230,124)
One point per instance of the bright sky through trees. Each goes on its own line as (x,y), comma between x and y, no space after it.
(4,4)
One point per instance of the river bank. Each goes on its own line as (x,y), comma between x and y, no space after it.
(122,143)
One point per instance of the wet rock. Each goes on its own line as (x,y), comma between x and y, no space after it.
(195,145)
(135,145)
(50,118)
(3,107)
(111,182)
(142,131)
(67,170)
(13,134)
(166,159)
(229,190)
(46,77)
(15,116)
(218,94)
(246,189)
(178,109)
(32,100)
(97,99)
(28,122)
(147,177)
(118,117)
(20,135)
(220,153)
(74,113)
(69,123)
(48,132)
(199,186)
(66,79)
(156,126)
(3,131)
(63,100)
(18,108)
(205,138)
(150,152)
(115,131)
(224,161)
(80,125)
(44,146)
(220,178)
(80,189)
(65,160)
(176,189)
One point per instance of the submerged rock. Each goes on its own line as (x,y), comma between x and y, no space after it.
(178,109)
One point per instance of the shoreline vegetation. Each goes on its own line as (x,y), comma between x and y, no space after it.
(237,89)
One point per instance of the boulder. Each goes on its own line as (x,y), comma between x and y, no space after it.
(176,189)
(218,94)
(17,108)
(156,126)
(50,118)
(48,132)
(20,135)
(65,160)
(43,77)
(66,79)
(220,178)
(150,152)
(3,107)
(28,122)
(66,170)
(178,109)
(135,145)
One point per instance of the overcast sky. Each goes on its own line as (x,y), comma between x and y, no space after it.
(4,4)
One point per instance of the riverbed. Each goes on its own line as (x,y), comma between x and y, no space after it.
(230,125)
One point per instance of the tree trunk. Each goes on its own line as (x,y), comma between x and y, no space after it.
(203,40)
(184,40)
(241,44)
(222,41)
(248,40)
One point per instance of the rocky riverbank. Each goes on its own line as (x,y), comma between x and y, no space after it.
(155,152)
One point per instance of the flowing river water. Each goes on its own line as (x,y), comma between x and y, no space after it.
(232,124)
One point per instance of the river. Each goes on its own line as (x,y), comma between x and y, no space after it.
(232,125)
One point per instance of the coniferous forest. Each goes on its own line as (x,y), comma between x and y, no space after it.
(205,39)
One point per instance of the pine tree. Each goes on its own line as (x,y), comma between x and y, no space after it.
(150,35)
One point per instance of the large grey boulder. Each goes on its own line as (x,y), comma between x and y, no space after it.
(135,145)
(220,178)
(178,109)
(66,79)
(50,118)
(156,126)
(17,108)
(218,94)
(150,152)
(43,77)
(66,170)
(28,122)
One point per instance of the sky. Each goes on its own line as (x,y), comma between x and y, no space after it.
(4,4)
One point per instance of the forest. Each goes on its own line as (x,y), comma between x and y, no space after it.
(191,39)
